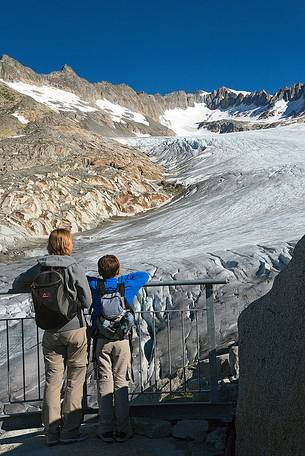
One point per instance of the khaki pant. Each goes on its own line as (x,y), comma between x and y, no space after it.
(114,360)
(62,350)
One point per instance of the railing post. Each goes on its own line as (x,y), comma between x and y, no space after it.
(8,361)
(212,343)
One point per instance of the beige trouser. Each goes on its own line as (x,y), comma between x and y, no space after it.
(64,349)
(113,359)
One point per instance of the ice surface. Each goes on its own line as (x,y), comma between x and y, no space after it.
(241,190)
(142,135)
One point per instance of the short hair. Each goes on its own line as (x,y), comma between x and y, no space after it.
(60,242)
(108,266)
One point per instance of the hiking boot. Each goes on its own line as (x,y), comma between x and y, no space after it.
(106,437)
(73,439)
(123,436)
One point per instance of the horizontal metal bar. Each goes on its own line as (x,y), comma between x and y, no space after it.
(169,310)
(173,283)
(203,309)
(166,283)
(17,318)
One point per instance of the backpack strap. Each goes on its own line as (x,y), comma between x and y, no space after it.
(46,268)
(101,287)
(121,289)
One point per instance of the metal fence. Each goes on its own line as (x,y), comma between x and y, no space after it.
(159,351)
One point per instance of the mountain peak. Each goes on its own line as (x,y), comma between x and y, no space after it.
(11,69)
(5,58)
(67,69)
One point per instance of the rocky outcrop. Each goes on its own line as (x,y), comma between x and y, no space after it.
(271,413)
(229,126)
(12,70)
(64,175)
(224,98)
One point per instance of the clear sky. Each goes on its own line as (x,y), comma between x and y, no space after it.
(161,45)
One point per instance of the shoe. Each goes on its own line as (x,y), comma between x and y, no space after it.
(77,438)
(106,437)
(123,436)
(52,439)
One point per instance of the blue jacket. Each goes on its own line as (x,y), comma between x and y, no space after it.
(132,283)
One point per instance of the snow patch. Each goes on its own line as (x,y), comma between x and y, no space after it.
(21,118)
(56,99)
(237,92)
(185,122)
(120,113)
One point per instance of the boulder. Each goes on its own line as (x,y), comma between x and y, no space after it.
(152,428)
(271,404)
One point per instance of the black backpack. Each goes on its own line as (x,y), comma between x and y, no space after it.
(53,304)
(115,319)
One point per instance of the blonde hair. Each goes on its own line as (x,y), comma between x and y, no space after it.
(60,242)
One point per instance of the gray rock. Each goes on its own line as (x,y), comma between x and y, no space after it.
(10,409)
(234,361)
(151,428)
(191,430)
(271,412)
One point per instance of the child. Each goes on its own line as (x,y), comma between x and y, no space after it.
(113,356)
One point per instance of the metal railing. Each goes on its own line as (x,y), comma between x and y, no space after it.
(162,331)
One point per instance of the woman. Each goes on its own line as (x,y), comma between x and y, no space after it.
(64,347)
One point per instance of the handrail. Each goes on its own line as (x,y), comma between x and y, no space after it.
(172,283)
(160,283)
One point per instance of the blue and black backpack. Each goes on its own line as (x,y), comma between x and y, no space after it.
(115,319)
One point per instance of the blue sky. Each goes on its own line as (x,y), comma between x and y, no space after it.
(161,46)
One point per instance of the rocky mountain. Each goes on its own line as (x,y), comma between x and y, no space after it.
(55,171)
(117,110)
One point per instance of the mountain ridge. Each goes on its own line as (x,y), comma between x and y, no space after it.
(285,105)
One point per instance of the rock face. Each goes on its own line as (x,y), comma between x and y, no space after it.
(67,176)
(55,171)
(271,412)
(229,126)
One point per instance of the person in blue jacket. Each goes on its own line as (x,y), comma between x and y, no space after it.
(113,356)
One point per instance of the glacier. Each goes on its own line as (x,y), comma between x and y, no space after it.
(237,217)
